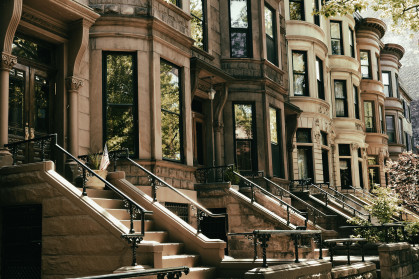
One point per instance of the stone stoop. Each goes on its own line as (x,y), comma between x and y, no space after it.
(155,250)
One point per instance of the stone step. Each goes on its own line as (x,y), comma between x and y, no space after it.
(168,248)
(106,194)
(158,236)
(149,224)
(110,203)
(200,273)
(121,214)
(179,260)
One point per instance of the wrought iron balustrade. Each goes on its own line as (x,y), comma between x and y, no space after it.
(338,195)
(392,232)
(169,273)
(157,182)
(261,238)
(299,184)
(213,174)
(43,145)
(311,211)
(347,242)
(133,207)
(327,196)
(114,156)
(254,187)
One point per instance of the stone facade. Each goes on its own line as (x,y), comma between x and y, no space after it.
(415,121)
(398,260)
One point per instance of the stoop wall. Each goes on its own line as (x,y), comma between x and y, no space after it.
(399,261)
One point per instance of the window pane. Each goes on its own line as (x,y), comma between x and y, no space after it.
(336,38)
(269,28)
(296,10)
(344,150)
(324,138)
(356,102)
(299,62)
(304,135)
(305,163)
(16,98)
(197,24)
(238,13)
(244,154)
(273,125)
(31,50)
(239,44)
(369,116)
(120,102)
(390,129)
(171,119)
(335,30)
(339,89)
(41,104)
(300,75)
(170,133)
(345,173)
(243,120)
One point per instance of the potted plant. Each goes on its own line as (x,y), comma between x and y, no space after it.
(98,163)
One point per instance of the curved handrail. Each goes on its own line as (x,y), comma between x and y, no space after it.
(170,272)
(342,202)
(252,184)
(298,198)
(364,194)
(342,196)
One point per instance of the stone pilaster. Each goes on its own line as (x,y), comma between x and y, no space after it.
(7,63)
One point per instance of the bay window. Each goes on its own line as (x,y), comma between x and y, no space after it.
(365,63)
(369,116)
(336,37)
(300,74)
(341,101)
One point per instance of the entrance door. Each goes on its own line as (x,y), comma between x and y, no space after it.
(29,110)
(21,242)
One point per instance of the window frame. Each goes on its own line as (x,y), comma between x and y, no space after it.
(204,25)
(393,130)
(253,153)
(400,134)
(274,56)
(390,91)
(278,112)
(134,105)
(306,92)
(340,39)
(356,102)
(179,115)
(381,119)
(377,59)
(248,31)
(373,129)
(368,65)
(344,99)
(301,10)
(316,8)
(352,39)
(320,79)
(397,86)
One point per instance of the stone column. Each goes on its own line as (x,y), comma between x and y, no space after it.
(73,84)
(7,63)
(218,128)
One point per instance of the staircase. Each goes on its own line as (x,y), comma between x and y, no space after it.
(156,250)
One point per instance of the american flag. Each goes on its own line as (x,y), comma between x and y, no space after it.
(104,162)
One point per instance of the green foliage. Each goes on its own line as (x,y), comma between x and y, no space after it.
(93,161)
(385,205)
(230,176)
(412,228)
(404,13)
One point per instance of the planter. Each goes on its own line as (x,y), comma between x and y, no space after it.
(94,183)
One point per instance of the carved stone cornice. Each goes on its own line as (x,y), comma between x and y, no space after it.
(7,61)
(74,83)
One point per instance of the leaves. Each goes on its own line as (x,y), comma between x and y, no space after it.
(404,14)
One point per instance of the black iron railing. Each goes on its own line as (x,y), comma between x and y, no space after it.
(169,273)
(392,232)
(338,195)
(327,196)
(134,208)
(299,184)
(311,211)
(213,174)
(254,187)
(365,194)
(114,156)
(157,182)
(261,238)
(347,242)
(41,142)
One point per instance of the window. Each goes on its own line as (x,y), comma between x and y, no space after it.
(408,142)
(336,37)
(245,143)
(323,138)
(409,116)
(305,162)
(345,173)
(400,131)
(304,135)
(316,8)
(352,42)
(119,101)
(397,87)
(341,102)
(325,165)
(198,26)
(356,102)
(276,147)
(365,63)
(171,112)
(270,30)
(374,176)
(319,77)
(369,117)
(361,175)
(240,29)
(297,10)
(386,78)
(377,59)
(391,131)
(380,116)
(176,2)
(299,67)
(344,150)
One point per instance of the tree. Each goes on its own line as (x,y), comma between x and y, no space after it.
(404,178)
(404,13)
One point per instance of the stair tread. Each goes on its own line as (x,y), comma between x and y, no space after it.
(179,256)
